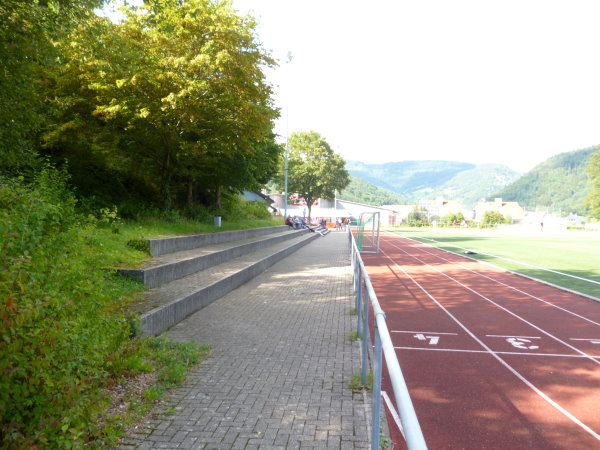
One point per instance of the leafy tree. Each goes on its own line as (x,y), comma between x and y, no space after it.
(492,218)
(417,218)
(29,28)
(593,171)
(454,218)
(174,96)
(315,171)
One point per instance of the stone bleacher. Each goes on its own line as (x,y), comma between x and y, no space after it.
(187,273)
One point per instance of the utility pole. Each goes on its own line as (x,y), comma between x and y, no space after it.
(287,132)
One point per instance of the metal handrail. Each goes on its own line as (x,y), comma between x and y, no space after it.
(383,344)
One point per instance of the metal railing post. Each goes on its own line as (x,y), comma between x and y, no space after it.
(365,337)
(378,365)
(359,302)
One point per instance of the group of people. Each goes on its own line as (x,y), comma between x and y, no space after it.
(297,223)
(342,224)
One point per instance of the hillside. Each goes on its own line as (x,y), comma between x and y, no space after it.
(362,191)
(560,184)
(418,180)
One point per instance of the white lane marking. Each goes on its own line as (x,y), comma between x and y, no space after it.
(424,332)
(500,360)
(393,412)
(593,341)
(512,336)
(550,335)
(515,261)
(498,281)
(456,350)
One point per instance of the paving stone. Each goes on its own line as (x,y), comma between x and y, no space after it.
(280,366)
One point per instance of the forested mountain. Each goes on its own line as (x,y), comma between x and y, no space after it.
(559,184)
(419,180)
(362,191)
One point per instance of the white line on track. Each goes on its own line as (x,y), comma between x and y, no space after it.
(533,266)
(425,332)
(511,336)
(498,358)
(456,350)
(500,282)
(393,412)
(516,316)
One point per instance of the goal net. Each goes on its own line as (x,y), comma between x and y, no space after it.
(367,232)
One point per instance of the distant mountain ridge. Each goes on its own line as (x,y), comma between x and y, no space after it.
(559,184)
(361,191)
(419,180)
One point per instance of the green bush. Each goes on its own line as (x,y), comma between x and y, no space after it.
(61,326)
(235,209)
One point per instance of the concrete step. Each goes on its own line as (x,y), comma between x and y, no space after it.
(174,244)
(172,266)
(166,305)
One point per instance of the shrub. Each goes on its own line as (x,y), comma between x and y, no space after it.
(61,327)
(235,209)
(491,219)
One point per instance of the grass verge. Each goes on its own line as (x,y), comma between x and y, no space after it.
(157,365)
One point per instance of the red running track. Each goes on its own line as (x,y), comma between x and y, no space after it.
(492,360)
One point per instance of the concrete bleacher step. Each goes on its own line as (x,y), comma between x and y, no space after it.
(161,246)
(168,267)
(167,304)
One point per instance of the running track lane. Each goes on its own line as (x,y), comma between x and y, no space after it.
(491,359)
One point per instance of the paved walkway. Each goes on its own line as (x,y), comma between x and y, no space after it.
(280,367)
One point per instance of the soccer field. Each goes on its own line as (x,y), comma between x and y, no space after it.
(567,259)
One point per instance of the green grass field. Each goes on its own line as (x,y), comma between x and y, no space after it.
(575,255)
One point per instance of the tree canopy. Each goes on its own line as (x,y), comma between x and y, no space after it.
(172,99)
(492,218)
(28,32)
(169,106)
(315,171)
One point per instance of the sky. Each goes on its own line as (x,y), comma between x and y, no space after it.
(511,82)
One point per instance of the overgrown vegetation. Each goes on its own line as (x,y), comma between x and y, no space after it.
(66,332)
(356,382)
(170,361)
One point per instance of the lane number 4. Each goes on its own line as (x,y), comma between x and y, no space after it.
(521,343)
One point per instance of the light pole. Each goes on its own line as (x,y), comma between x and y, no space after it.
(287,134)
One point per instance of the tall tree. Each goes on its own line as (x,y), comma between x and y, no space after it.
(593,171)
(179,93)
(315,171)
(29,29)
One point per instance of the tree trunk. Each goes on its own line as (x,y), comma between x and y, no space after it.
(190,193)
(218,198)
(309,202)
(166,183)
